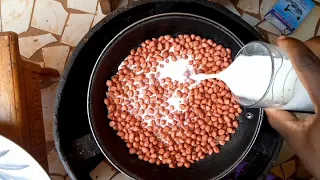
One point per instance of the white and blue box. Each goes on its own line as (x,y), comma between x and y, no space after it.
(287,15)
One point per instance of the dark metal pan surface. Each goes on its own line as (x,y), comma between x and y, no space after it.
(115,150)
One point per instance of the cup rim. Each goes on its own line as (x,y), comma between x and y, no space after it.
(271,77)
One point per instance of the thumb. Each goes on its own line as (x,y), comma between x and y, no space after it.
(305,63)
(282,121)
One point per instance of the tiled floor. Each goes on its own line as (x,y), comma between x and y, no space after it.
(50,29)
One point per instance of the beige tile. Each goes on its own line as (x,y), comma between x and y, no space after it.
(98,15)
(102,171)
(251,6)
(55,57)
(16,15)
(288,168)
(29,45)
(318,33)
(227,4)
(48,96)
(39,63)
(50,16)
(285,154)
(55,165)
(277,171)
(77,26)
(121,176)
(306,30)
(266,6)
(272,39)
(250,19)
(88,6)
(269,28)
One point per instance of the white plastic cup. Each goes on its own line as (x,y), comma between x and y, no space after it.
(284,89)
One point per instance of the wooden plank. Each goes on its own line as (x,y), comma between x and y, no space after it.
(11,91)
(21,110)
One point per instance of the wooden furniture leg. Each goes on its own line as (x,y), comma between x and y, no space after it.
(21,117)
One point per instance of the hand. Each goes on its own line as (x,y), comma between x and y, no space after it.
(302,135)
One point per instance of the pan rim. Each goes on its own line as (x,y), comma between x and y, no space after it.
(99,60)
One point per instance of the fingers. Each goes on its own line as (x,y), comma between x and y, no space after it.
(306,64)
(314,45)
(282,121)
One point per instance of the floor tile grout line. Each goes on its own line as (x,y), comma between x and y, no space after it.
(65,24)
(95,13)
(33,6)
(114,175)
(64,28)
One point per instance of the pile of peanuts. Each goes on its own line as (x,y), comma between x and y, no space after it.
(141,111)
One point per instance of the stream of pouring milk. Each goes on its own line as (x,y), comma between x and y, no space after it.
(248,77)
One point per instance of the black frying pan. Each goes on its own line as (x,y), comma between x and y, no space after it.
(113,147)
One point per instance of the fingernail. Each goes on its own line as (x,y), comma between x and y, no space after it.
(282,37)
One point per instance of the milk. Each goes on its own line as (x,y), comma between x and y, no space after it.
(256,82)
(176,71)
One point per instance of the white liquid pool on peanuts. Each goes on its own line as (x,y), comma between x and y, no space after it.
(162,115)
